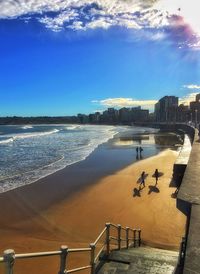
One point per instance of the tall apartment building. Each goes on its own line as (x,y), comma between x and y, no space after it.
(195,109)
(166,109)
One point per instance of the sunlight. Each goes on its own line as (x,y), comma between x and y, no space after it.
(188,10)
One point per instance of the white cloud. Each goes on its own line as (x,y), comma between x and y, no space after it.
(91,14)
(102,14)
(192,86)
(56,23)
(99,110)
(145,104)
(190,97)
(100,23)
(125,102)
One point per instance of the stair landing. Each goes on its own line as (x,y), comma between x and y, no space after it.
(141,260)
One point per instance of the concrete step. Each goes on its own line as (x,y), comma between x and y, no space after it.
(141,260)
(114,268)
(148,253)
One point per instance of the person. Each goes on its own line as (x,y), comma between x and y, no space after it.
(142,179)
(137,150)
(156,174)
(141,149)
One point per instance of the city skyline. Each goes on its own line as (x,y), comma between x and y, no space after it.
(67,57)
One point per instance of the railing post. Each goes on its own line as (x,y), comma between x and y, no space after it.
(127,237)
(9,258)
(92,246)
(182,252)
(107,239)
(119,236)
(63,259)
(139,237)
(134,237)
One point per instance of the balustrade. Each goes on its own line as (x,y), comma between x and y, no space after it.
(9,257)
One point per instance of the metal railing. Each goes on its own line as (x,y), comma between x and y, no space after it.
(132,238)
(182,250)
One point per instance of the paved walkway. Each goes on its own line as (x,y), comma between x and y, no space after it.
(141,260)
(189,202)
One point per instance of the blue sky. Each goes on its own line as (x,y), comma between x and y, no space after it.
(68,57)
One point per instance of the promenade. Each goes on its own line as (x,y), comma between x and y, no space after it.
(188,201)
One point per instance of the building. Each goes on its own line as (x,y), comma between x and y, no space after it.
(183,114)
(195,110)
(139,115)
(82,118)
(125,115)
(94,118)
(166,109)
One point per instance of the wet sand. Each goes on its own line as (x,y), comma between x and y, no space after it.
(46,214)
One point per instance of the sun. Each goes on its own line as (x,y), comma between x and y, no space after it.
(188,10)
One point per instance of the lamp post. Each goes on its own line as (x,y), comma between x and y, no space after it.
(195,117)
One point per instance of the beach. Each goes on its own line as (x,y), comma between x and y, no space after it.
(44,215)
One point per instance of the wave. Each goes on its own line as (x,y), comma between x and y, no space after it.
(12,138)
(72,127)
(81,146)
(6,141)
(34,134)
(27,127)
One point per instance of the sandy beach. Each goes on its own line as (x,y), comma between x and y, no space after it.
(38,217)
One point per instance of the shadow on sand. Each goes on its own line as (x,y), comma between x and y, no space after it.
(174,194)
(174,185)
(136,192)
(153,189)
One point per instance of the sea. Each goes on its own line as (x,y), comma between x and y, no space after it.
(31,152)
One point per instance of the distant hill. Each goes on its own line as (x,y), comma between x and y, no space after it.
(37,120)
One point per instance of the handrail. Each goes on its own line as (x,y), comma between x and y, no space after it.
(98,254)
(79,249)
(100,235)
(78,269)
(45,254)
(37,254)
(9,256)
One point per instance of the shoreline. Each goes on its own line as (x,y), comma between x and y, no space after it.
(109,143)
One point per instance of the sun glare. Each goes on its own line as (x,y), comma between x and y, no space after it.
(188,10)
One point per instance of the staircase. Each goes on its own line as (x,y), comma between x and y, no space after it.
(143,260)
(117,250)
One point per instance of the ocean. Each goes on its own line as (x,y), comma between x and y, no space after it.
(31,152)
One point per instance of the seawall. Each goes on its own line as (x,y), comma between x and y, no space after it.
(188,197)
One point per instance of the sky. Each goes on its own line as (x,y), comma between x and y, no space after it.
(65,57)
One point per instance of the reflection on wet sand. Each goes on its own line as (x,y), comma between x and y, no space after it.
(160,139)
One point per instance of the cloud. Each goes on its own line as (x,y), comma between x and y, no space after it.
(160,16)
(190,97)
(145,104)
(125,102)
(192,86)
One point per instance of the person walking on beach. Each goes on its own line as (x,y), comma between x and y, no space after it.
(156,174)
(141,149)
(142,179)
(137,149)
